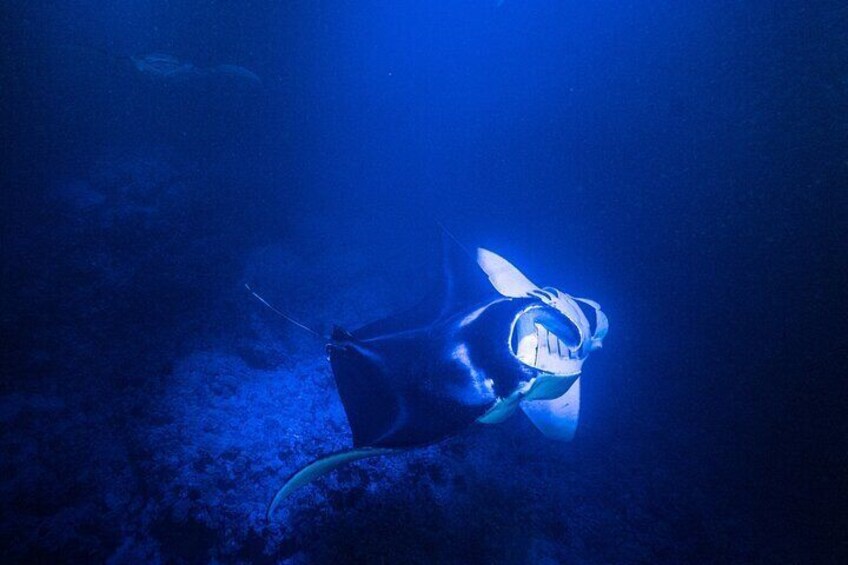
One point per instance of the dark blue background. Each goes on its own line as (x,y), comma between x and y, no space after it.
(682,163)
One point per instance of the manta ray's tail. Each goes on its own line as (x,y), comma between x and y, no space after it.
(321,467)
(283,314)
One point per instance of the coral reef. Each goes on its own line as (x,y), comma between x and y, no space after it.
(157,408)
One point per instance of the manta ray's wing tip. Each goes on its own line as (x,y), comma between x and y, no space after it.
(269,514)
(318,468)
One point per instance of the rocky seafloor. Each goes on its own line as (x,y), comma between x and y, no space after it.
(150,410)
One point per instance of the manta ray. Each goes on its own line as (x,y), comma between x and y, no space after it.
(165,67)
(484,344)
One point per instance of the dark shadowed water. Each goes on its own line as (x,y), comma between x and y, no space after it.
(682,163)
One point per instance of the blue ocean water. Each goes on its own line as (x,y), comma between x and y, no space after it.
(682,163)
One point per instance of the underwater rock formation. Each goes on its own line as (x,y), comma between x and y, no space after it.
(176,463)
(167,448)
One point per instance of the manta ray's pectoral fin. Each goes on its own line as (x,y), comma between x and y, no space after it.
(556,418)
(506,279)
(459,284)
(321,467)
(503,409)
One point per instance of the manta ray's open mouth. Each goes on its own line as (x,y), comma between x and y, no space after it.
(546,340)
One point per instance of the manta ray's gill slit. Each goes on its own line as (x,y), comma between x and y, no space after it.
(536,347)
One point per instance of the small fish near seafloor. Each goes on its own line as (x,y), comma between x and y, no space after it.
(475,351)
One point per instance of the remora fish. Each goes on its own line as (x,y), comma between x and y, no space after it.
(475,351)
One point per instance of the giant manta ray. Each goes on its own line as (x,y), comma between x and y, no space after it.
(474,351)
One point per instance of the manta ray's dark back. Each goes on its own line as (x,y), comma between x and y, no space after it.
(403,380)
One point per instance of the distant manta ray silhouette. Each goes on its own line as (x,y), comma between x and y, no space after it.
(167,68)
